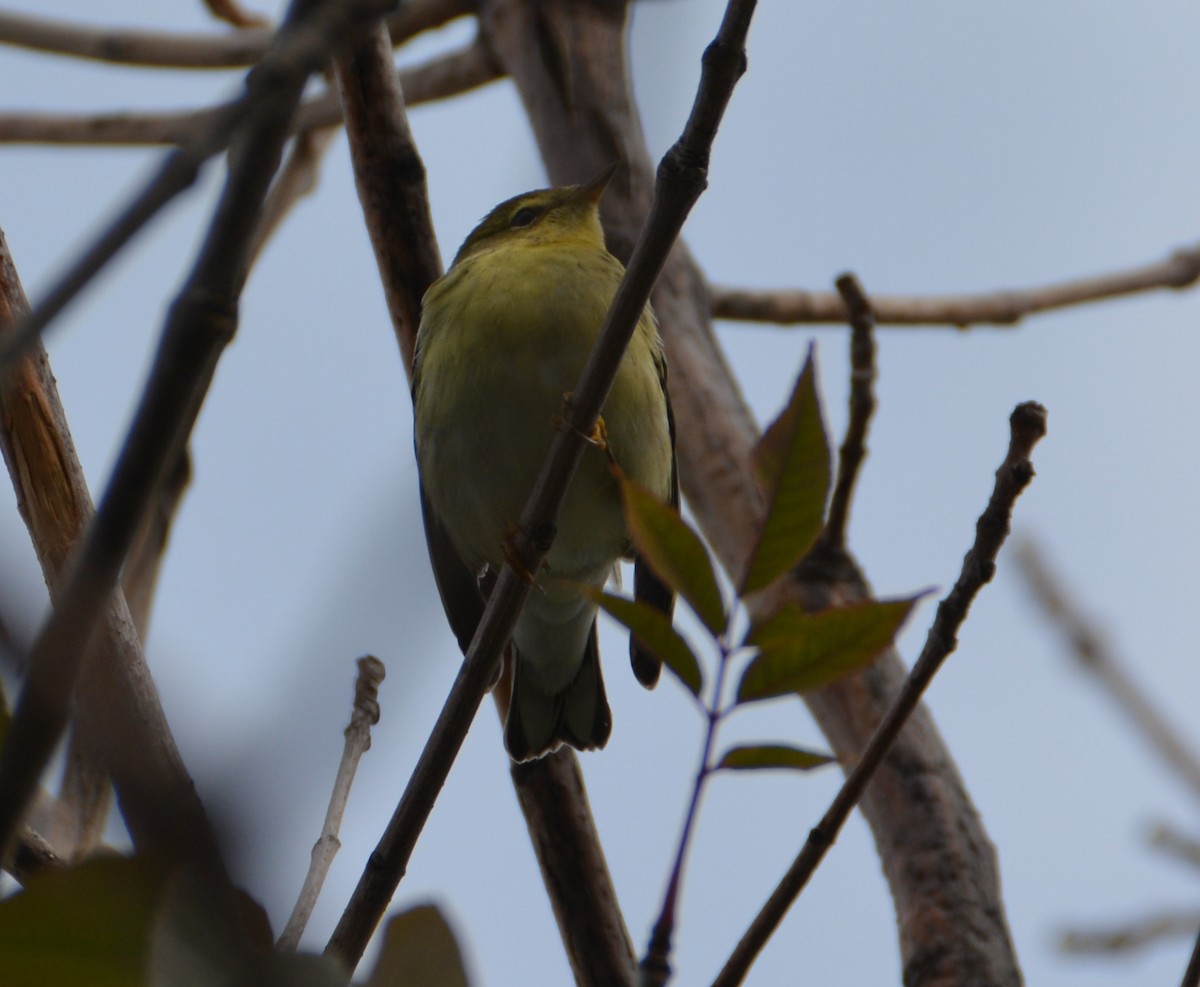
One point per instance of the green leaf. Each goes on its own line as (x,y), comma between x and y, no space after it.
(760,756)
(90,924)
(419,950)
(674,551)
(792,460)
(655,632)
(800,651)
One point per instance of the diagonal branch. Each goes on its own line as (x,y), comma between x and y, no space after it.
(1181,269)
(917,806)
(200,323)
(685,165)
(1028,425)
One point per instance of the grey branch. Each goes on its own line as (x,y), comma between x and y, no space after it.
(1181,269)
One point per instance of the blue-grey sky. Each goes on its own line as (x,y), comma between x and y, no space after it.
(930,147)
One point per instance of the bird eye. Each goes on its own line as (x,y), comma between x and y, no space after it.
(524,216)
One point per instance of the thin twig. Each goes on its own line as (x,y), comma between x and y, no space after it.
(297,54)
(1028,425)
(233,13)
(296,179)
(681,180)
(862,407)
(997,308)
(358,741)
(1097,657)
(1175,844)
(160,49)
(200,323)
(1133,935)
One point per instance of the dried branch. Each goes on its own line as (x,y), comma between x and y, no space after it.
(571,858)
(358,741)
(296,179)
(1096,656)
(1133,935)
(298,53)
(567,60)
(390,178)
(1175,844)
(1028,425)
(862,407)
(682,178)
(1191,976)
(158,49)
(998,308)
(439,78)
(117,692)
(233,13)
(200,323)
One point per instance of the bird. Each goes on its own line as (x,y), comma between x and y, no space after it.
(503,337)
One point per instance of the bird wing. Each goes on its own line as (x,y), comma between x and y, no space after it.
(647,587)
(457,585)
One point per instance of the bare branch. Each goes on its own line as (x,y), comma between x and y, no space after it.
(199,325)
(1132,935)
(1175,844)
(158,49)
(682,179)
(1096,656)
(998,308)
(296,179)
(358,741)
(1028,424)
(862,407)
(439,78)
(917,806)
(233,13)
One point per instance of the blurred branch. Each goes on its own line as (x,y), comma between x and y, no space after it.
(1095,656)
(862,407)
(54,501)
(299,52)
(158,49)
(1180,269)
(233,13)
(296,179)
(445,75)
(1170,841)
(200,323)
(358,741)
(1028,425)
(1133,935)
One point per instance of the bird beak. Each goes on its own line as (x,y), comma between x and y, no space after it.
(591,191)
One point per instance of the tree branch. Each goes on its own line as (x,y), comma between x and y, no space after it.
(686,162)
(200,324)
(1179,270)
(218,50)
(1028,425)
(924,824)
(1094,655)
(439,78)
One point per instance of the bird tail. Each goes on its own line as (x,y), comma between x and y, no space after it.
(539,723)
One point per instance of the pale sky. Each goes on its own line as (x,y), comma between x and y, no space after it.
(930,147)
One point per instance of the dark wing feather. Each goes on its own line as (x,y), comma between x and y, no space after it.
(647,587)
(457,585)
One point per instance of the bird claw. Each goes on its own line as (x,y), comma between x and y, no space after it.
(596,436)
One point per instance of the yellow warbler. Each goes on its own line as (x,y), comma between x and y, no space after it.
(504,335)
